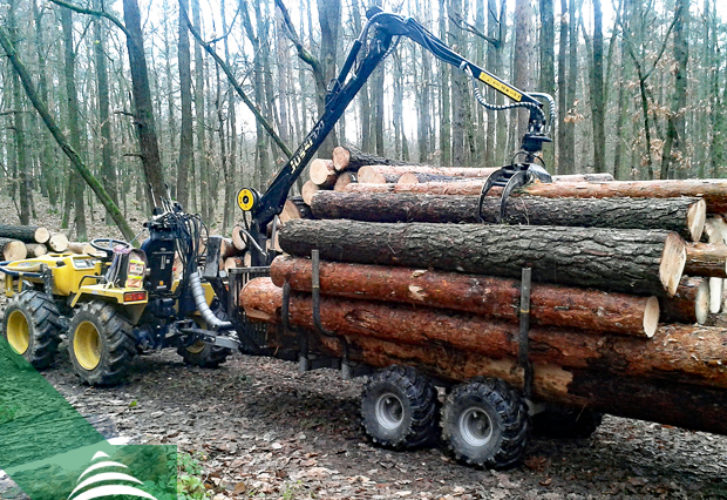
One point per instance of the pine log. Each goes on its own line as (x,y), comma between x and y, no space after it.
(233,262)
(36,249)
(347,159)
(684,215)
(239,239)
(343,180)
(418,178)
(714,191)
(26,234)
(486,296)
(227,248)
(58,242)
(379,174)
(677,353)
(683,405)
(322,173)
(620,260)
(307,191)
(689,305)
(295,208)
(706,259)
(12,249)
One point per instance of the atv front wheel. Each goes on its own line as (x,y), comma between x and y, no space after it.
(32,327)
(100,344)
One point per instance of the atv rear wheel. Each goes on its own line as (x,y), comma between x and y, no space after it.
(32,327)
(399,408)
(100,344)
(486,424)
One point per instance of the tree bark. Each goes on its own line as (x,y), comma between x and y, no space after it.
(600,258)
(685,215)
(676,353)
(346,159)
(185,89)
(497,298)
(689,305)
(27,234)
(380,174)
(706,259)
(144,111)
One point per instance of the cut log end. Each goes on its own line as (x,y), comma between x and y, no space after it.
(410,178)
(58,242)
(13,250)
(238,238)
(696,219)
(715,295)
(42,235)
(341,157)
(673,260)
(343,180)
(651,317)
(701,305)
(322,172)
(308,190)
(370,175)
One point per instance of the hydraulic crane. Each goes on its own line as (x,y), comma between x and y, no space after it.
(377,40)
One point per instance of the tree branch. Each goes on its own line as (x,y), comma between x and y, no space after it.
(465,26)
(91,12)
(228,72)
(303,53)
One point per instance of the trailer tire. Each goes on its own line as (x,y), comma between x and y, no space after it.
(567,422)
(32,326)
(486,424)
(100,344)
(202,354)
(400,408)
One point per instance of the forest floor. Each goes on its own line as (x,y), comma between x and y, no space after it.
(260,429)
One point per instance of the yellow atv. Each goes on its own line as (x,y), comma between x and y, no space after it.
(116,306)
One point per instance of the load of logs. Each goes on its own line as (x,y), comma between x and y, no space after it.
(627,276)
(19,242)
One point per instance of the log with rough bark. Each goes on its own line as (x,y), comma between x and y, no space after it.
(689,305)
(499,298)
(295,208)
(239,239)
(308,190)
(706,259)
(227,248)
(684,405)
(380,174)
(714,191)
(622,260)
(36,249)
(322,173)
(347,159)
(26,234)
(12,249)
(677,353)
(418,178)
(58,242)
(684,215)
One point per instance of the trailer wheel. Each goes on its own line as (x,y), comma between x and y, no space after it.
(201,353)
(486,424)
(567,422)
(100,344)
(32,327)
(399,408)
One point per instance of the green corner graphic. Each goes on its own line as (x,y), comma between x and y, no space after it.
(52,452)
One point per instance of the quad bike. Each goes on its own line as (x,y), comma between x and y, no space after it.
(120,304)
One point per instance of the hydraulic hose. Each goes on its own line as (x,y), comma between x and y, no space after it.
(199,300)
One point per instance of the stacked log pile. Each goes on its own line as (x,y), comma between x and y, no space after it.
(19,242)
(620,294)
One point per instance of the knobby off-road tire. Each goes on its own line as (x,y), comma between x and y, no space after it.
(32,326)
(399,408)
(201,353)
(485,423)
(100,344)
(567,423)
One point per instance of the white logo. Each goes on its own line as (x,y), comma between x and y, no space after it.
(100,471)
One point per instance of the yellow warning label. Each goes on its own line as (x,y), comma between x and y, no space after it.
(498,85)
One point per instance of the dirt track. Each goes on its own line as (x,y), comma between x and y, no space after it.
(260,429)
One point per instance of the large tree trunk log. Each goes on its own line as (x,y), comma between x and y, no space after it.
(417,178)
(346,159)
(343,180)
(621,260)
(689,305)
(12,249)
(706,259)
(482,295)
(36,249)
(295,208)
(677,353)
(379,174)
(26,234)
(683,215)
(683,405)
(322,173)
(714,191)
(58,242)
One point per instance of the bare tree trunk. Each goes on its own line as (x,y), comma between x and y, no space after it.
(329,17)
(547,65)
(185,86)
(524,46)
(598,104)
(569,135)
(200,150)
(445,144)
